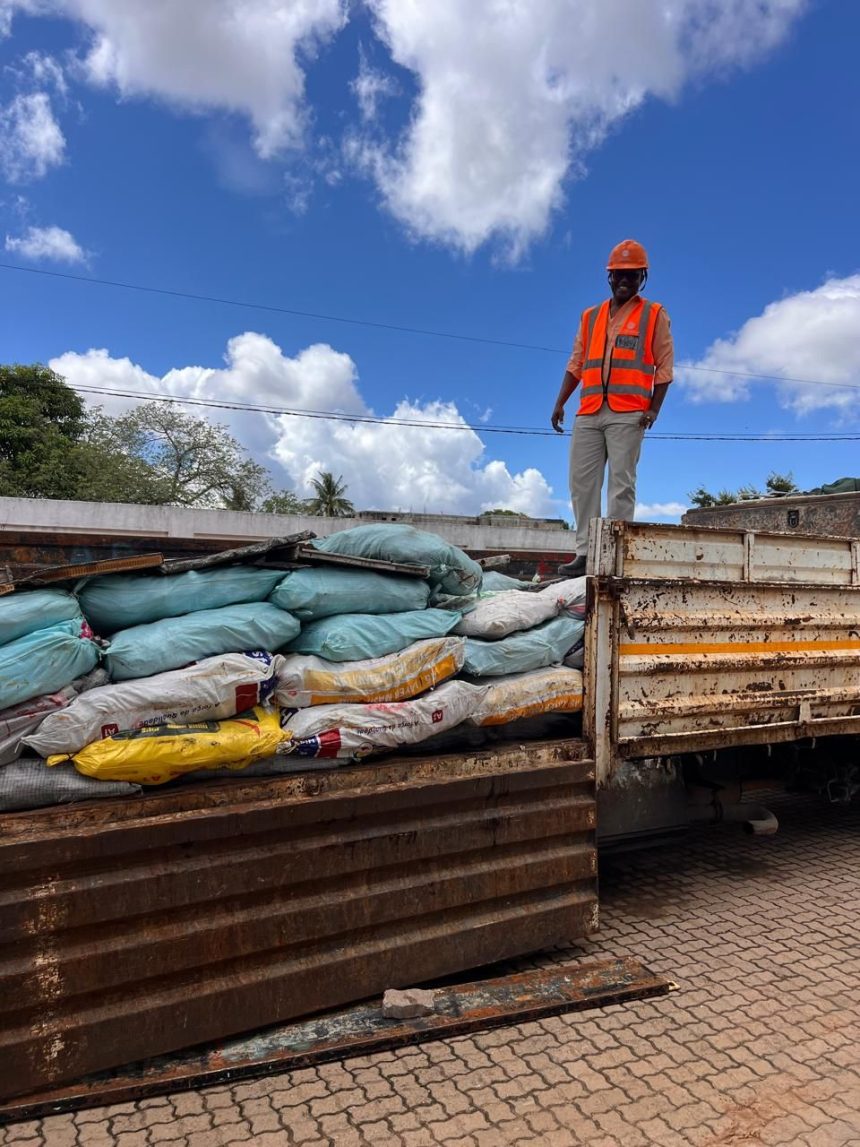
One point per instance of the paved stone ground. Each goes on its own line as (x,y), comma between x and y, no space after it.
(760,1046)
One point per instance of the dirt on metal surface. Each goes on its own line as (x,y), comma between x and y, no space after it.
(360,1030)
(191,915)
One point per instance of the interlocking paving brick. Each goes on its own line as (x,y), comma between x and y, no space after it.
(759,1046)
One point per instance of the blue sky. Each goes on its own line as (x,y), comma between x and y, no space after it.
(460,167)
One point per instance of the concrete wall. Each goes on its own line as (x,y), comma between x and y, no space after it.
(835,514)
(431,521)
(230,526)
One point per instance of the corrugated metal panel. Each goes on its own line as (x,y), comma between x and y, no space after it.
(191,915)
(763,645)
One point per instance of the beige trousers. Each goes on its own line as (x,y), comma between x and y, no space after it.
(597,438)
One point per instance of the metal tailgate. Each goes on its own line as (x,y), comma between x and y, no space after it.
(703,638)
(132,928)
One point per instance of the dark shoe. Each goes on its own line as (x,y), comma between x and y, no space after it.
(573,569)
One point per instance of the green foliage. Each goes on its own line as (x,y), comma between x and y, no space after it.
(108,472)
(41,422)
(777,485)
(191,461)
(329,499)
(748,493)
(284,502)
(52,447)
(702,498)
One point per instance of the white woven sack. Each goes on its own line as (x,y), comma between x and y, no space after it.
(507,612)
(214,689)
(351,732)
(568,595)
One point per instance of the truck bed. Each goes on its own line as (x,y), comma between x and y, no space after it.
(704,639)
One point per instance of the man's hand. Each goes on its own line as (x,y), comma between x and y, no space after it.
(648,419)
(558,418)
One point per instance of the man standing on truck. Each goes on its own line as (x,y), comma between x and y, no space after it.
(623,356)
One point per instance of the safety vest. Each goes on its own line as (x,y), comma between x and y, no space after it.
(630,384)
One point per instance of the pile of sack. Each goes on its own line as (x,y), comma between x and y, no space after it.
(136,680)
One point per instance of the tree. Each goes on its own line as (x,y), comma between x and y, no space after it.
(51,446)
(748,493)
(329,500)
(776,486)
(284,502)
(195,462)
(703,498)
(106,473)
(41,421)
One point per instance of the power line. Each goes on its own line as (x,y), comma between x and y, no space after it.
(426,331)
(436,424)
(279,310)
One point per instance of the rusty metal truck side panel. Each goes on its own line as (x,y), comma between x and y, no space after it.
(209,910)
(704,639)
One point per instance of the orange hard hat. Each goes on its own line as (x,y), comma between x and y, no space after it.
(628,255)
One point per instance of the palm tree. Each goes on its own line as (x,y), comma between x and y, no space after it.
(329,501)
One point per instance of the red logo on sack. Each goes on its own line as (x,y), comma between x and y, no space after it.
(246,697)
(438,714)
(109,731)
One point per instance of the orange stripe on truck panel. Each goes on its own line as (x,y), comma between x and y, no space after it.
(640,650)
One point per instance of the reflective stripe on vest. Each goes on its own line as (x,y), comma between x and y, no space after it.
(630,384)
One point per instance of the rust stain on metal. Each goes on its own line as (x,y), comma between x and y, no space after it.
(362,1029)
(192,915)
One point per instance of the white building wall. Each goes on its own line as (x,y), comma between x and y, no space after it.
(55,516)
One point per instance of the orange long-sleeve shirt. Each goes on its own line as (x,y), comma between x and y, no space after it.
(664,350)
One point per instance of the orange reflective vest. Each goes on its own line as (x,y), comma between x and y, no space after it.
(630,383)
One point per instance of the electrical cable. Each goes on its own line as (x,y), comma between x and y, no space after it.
(426,331)
(337,416)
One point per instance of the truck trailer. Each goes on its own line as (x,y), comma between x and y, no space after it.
(716,660)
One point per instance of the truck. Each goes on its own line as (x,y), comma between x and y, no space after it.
(715,660)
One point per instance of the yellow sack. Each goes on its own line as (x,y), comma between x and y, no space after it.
(159,753)
(556,689)
(303,681)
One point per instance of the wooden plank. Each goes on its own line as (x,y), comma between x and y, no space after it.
(319,557)
(50,575)
(244,554)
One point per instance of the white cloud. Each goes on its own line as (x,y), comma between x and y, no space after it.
(659,511)
(54,244)
(45,71)
(203,54)
(31,140)
(385,465)
(808,335)
(513,95)
(8,9)
(370,86)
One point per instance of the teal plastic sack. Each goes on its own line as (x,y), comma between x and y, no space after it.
(25,611)
(120,600)
(176,641)
(314,593)
(356,636)
(450,569)
(45,661)
(497,582)
(544,645)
